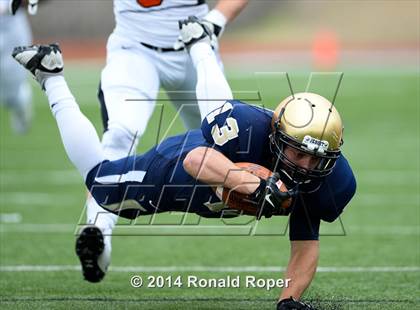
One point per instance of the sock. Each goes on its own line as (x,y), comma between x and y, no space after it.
(99,217)
(79,137)
(59,94)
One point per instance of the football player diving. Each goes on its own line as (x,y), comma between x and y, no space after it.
(300,141)
(144,53)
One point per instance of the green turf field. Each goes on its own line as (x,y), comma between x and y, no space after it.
(369,260)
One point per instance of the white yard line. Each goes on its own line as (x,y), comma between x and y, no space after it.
(37,228)
(71,177)
(239,269)
(11,218)
(58,177)
(38,198)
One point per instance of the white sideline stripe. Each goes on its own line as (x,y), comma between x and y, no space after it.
(50,199)
(37,228)
(48,268)
(64,177)
(136,176)
(58,177)
(10,218)
(70,228)
(38,198)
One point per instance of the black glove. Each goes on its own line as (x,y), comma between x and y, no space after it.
(293,304)
(269,197)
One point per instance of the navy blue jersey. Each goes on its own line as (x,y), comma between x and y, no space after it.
(241,132)
(152,182)
(157,182)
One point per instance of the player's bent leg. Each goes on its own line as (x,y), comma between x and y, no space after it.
(129,85)
(126,123)
(79,137)
(119,140)
(77,133)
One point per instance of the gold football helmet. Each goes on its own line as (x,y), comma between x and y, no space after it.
(309,123)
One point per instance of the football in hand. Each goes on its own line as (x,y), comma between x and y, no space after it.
(243,202)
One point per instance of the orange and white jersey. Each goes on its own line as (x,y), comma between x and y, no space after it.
(154,22)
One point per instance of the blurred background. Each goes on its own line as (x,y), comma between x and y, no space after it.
(278,33)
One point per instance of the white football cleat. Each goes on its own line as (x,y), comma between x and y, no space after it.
(193,31)
(94,252)
(43,61)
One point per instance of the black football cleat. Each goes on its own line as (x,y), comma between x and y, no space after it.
(89,247)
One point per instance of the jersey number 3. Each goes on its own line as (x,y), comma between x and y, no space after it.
(225,133)
(149,3)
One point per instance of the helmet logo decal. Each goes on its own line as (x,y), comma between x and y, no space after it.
(302,122)
(313,144)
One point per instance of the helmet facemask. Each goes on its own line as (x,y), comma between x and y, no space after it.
(293,172)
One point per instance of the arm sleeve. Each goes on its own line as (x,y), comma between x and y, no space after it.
(327,203)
